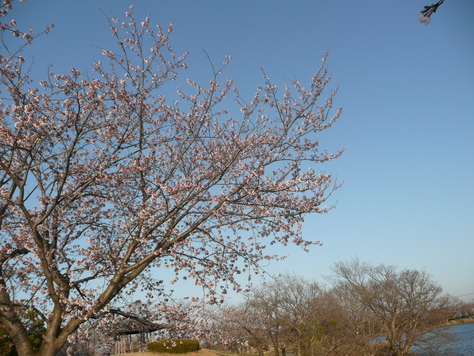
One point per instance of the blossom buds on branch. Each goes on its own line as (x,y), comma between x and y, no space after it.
(425,15)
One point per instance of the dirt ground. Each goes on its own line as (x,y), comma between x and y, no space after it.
(203,352)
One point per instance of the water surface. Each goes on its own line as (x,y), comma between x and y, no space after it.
(464,346)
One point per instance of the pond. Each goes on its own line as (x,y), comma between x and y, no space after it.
(464,346)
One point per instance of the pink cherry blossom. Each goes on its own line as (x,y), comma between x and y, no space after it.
(424,19)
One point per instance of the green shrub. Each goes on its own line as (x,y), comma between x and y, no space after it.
(35,327)
(174,346)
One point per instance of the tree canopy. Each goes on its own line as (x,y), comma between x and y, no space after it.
(109,177)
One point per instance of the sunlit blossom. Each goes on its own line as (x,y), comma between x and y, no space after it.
(424,19)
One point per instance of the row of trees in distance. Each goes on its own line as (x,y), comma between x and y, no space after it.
(363,310)
(361,305)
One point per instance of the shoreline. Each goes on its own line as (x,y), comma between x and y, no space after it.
(458,321)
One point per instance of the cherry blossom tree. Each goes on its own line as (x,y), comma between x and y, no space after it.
(110,177)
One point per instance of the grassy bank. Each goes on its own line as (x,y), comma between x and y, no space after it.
(459,321)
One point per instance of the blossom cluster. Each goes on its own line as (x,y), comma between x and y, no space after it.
(425,15)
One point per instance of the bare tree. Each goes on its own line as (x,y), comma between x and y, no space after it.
(300,308)
(408,305)
(288,307)
(349,326)
(265,302)
(244,326)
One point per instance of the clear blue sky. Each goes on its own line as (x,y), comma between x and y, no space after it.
(408,124)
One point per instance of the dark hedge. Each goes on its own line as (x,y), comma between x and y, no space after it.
(174,346)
